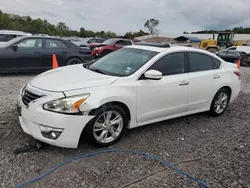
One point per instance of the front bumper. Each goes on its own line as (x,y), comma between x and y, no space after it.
(96,54)
(32,117)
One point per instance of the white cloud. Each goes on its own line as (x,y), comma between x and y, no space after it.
(130,15)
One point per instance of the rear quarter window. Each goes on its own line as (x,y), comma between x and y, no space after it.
(216,63)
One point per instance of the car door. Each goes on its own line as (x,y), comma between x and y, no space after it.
(57,47)
(233,56)
(167,97)
(202,78)
(227,56)
(118,45)
(24,55)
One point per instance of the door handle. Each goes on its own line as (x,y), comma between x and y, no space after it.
(184,83)
(216,76)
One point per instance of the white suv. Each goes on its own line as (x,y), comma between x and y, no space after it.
(134,86)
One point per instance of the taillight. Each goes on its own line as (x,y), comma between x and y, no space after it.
(237,73)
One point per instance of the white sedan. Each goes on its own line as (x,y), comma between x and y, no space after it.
(131,87)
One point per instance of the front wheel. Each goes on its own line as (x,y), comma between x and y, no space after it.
(212,50)
(74,61)
(220,102)
(107,127)
(105,52)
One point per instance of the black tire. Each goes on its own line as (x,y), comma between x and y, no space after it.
(105,52)
(74,61)
(212,50)
(245,64)
(90,134)
(213,111)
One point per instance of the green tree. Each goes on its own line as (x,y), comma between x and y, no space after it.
(151,25)
(131,35)
(82,32)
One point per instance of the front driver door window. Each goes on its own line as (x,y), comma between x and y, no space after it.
(118,45)
(30,44)
(28,54)
(161,99)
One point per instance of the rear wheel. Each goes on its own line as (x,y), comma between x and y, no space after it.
(107,127)
(220,102)
(74,60)
(105,52)
(212,50)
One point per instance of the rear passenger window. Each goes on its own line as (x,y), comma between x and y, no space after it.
(127,42)
(199,62)
(216,63)
(52,43)
(170,64)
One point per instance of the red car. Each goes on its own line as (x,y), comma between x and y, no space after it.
(110,45)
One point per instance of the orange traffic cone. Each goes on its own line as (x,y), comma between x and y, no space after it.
(238,64)
(54,62)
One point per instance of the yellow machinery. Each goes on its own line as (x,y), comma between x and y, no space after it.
(224,40)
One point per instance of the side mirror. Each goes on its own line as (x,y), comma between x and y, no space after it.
(153,75)
(14,47)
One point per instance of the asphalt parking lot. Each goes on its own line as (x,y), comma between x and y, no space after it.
(172,141)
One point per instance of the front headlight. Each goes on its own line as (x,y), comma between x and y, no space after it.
(69,105)
(98,48)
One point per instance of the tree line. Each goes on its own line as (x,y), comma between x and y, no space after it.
(238,30)
(42,26)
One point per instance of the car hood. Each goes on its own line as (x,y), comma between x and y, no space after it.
(94,44)
(69,78)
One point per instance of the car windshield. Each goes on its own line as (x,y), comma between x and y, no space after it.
(109,41)
(123,62)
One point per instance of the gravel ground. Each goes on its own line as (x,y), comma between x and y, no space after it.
(174,140)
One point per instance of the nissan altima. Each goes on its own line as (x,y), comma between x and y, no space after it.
(134,86)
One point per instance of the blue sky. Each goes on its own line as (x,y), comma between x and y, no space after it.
(130,15)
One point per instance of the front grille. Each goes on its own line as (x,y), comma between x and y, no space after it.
(29,97)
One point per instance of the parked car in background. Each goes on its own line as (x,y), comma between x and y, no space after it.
(230,55)
(245,60)
(132,87)
(245,49)
(234,56)
(34,53)
(7,35)
(109,46)
(85,42)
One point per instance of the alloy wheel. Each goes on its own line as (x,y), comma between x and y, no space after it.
(221,102)
(108,126)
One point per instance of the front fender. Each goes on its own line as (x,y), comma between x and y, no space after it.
(106,94)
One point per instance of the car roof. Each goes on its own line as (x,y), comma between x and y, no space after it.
(12,32)
(162,49)
(43,37)
(155,44)
(120,39)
